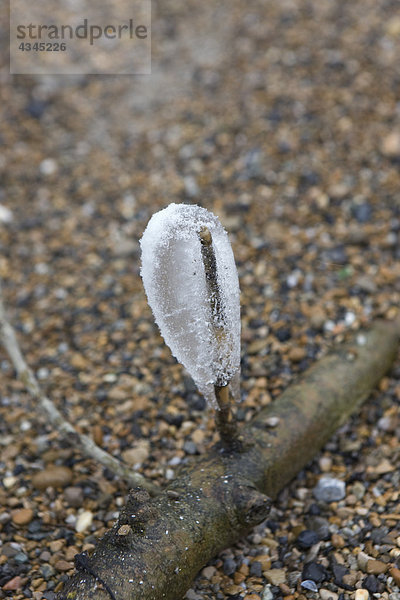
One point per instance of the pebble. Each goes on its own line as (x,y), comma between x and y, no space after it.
(73,496)
(192,595)
(325,464)
(22,516)
(328,595)
(395,573)
(52,476)
(306,539)
(84,521)
(329,489)
(361,594)
(391,145)
(13,584)
(371,584)
(314,571)
(320,526)
(138,454)
(9,481)
(275,576)
(267,593)
(376,567)
(208,572)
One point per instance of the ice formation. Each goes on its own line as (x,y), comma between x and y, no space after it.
(198,313)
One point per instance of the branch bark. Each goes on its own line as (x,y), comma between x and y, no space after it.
(84,443)
(158,545)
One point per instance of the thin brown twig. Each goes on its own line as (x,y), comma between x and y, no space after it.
(84,443)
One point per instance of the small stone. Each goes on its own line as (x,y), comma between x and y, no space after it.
(350,579)
(48,166)
(267,593)
(256,569)
(320,526)
(297,354)
(395,573)
(325,464)
(362,560)
(272,421)
(362,212)
(6,215)
(358,490)
(52,476)
(314,571)
(73,496)
(337,541)
(329,489)
(191,595)
(13,584)
(9,482)
(317,318)
(208,572)
(124,530)
(306,539)
(376,567)
(361,594)
(22,516)
(275,576)
(63,565)
(229,566)
(84,521)
(328,595)
(366,284)
(371,584)
(391,145)
(137,455)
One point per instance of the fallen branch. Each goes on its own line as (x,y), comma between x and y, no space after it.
(82,442)
(158,545)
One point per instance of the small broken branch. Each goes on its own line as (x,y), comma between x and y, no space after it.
(84,443)
(158,545)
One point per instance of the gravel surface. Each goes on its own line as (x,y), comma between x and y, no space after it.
(284,119)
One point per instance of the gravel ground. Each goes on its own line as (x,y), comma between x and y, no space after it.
(284,119)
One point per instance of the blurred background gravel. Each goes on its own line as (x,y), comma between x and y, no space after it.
(284,119)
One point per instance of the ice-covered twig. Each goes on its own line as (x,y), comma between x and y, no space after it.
(196,307)
(226,422)
(84,443)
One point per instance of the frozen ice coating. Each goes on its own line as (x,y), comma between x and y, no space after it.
(202,331)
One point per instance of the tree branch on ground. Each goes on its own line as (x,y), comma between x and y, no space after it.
(158,545)
(78,440)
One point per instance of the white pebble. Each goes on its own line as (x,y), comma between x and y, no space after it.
(8,482)
(48,166)
(6,215)
(84,521)
(361,594)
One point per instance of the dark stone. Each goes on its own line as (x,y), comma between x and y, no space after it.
(256,569)
(320,526)
(49,596)
(378,534)
(314,571)
(338,573)
(314,509)
(362,212)
(196,402)
(283,334)
(338,255)
(306,539)
(229,567)
(36,108)
(372,584)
